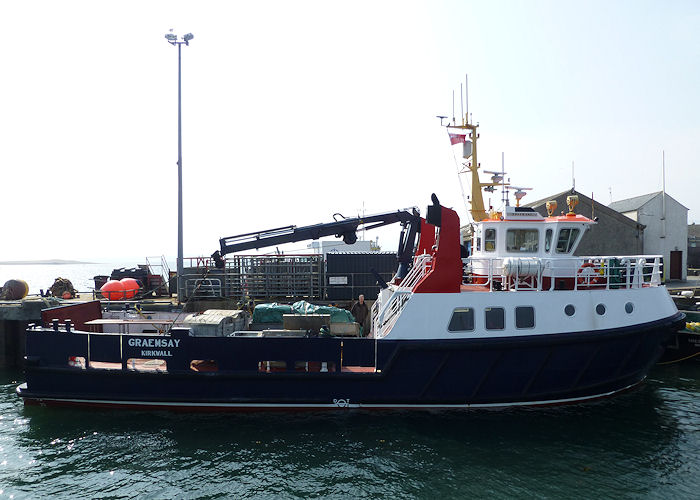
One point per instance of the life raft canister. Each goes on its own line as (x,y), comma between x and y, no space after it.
(131,287)
(113,290)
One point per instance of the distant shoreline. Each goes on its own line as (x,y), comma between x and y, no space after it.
(51,262)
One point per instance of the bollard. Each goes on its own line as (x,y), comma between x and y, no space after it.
(68,325)
(55,324)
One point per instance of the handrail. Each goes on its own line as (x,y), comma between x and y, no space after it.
(385,315)
(575,273)
(420,265)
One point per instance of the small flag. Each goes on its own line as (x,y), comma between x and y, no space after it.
(457,138)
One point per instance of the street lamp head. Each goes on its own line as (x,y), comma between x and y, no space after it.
(172,38)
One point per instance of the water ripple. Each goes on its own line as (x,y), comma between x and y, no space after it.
(643,444)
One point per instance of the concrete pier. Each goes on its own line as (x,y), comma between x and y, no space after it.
(15,315)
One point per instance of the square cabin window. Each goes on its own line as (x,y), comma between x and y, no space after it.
(566,240)
(522,240)
(462,320)
(524,317)
(490,240)
(548,240)
(495,318)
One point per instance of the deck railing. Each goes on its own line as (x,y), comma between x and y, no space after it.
(576,273)
(384,315)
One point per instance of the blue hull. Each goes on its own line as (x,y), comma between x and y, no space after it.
(531,370)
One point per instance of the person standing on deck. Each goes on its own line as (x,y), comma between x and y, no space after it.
(361,313)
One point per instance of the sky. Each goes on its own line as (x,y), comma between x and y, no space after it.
(294,111)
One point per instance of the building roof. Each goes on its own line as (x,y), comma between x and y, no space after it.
(694,230)
(632,204)
(599,207)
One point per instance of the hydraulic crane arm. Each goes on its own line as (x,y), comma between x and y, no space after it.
(343,228)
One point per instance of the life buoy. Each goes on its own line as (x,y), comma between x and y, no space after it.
(590,278)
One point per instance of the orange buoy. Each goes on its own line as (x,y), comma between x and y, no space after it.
(131,287)
(113,290)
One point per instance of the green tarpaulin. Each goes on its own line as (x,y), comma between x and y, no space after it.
(272,313)
(337,315)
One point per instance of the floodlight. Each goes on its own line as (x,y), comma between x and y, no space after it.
(188,37)
(171,37)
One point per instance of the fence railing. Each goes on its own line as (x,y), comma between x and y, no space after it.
(261,276)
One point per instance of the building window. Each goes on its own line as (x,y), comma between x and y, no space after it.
(522,240)
(566,240)
(462,320)
(548,240)
(525,317)
(490,240)
(495,318)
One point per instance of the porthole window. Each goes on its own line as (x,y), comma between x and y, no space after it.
(569,310)
(462,320)
(525,317)
(600,309)
(629,307)
(495,318)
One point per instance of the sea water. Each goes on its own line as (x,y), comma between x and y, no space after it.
(41,276)
(641,444)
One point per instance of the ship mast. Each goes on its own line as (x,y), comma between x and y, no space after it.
(468,136)
(471,164)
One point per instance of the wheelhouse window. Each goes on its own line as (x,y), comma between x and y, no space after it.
(462,320)
(490,240)
(525,317)
(522,240)
(548,240)
(566,240)
(478,241)
(495,318)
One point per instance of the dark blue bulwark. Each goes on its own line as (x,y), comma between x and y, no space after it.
(535,369)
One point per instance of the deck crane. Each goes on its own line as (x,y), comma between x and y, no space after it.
(345,228)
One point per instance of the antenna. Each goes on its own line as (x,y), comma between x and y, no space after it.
(503,174)
(573,178)
(461,103)
(364,229)
(519,193)
(466,95)
(453,108)
(663,193)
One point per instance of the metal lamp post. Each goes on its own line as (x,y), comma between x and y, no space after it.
(173,40)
